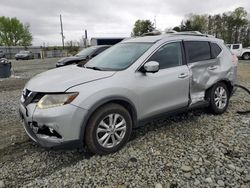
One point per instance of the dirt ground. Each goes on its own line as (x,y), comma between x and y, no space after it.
(23,163)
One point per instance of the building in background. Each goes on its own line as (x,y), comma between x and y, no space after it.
(105,41)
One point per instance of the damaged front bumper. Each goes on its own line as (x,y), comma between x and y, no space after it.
(57,127)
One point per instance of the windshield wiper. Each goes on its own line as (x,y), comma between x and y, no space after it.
(94,68)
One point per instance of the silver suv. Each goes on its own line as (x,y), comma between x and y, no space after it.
(97,106)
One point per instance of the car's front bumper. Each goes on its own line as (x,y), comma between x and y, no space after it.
(57,127)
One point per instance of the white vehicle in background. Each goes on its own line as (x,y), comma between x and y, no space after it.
(239,51)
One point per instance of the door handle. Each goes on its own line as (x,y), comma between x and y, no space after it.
(183,75)
(213,67)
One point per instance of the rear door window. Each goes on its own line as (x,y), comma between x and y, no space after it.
(198,51)
(216,50)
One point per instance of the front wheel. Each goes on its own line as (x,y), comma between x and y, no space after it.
(108,129)
(219,98)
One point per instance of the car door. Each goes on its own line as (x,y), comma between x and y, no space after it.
(167,89)
(204,66)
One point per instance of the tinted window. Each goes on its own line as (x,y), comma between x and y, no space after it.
(87,51)
(169,55)
(216,50)
(100,50)
(198,51)
(236,46)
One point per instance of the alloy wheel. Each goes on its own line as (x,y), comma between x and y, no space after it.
(220,97)
(111,130)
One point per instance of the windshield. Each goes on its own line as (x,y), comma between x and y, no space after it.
(23,52)
(119,57)
(87,51)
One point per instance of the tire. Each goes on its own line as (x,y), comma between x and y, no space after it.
(218,96)
(246,56)
(107,141)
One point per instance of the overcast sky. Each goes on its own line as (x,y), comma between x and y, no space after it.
(105,18)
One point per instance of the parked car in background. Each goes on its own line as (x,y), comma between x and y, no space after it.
(2,54)
(239,51)
(24,55)
(127,85)
(83,56)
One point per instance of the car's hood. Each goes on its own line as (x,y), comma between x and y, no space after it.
(60,79)
(71,58)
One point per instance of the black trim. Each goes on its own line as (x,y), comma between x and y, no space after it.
(100,103)
(66,145)
(186,51)
(184,54)
(161,116)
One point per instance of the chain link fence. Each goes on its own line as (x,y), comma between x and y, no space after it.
(37,51)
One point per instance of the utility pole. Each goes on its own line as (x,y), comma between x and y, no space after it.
(62,31)
(86,38)
(155,21)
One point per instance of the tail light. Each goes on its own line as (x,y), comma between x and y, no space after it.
(234,59)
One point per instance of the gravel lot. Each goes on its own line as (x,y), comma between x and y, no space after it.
(194,149)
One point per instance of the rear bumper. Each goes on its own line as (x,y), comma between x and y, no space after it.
(57,127)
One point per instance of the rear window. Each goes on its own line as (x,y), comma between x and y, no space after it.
(216,50)
(198,51)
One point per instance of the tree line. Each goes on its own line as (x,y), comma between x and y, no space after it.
(232,26)
(14,33)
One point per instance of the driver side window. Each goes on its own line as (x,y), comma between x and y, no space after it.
(169,55)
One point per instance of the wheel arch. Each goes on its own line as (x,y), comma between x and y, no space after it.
(228,84)
(126,103)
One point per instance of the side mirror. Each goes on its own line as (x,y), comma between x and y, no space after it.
(151,67)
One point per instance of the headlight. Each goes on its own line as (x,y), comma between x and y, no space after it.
(53,100)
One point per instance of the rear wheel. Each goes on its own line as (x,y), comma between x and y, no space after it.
(108,129)
(246,56)
(219,98)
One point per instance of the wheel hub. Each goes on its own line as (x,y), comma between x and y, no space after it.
(111,130)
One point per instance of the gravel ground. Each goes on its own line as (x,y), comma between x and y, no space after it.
(193,149)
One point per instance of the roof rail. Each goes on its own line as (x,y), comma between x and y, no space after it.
(172,32)
(192,33)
